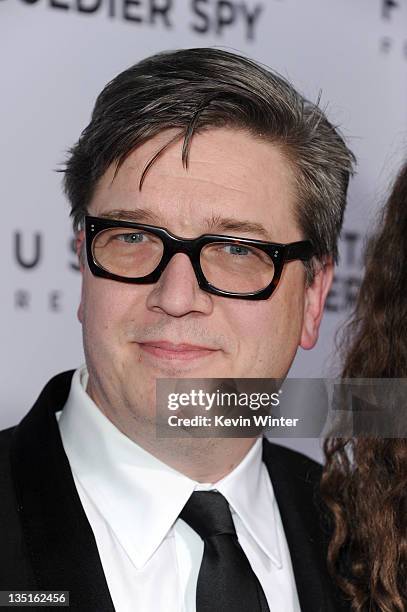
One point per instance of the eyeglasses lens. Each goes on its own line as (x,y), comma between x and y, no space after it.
(127,252)
(233,267)
(236,268)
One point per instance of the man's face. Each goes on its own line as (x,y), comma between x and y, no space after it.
(134,334)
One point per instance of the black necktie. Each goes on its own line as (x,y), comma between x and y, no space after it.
(226,581)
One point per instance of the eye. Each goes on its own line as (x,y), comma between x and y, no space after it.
(132,238)
(236,249)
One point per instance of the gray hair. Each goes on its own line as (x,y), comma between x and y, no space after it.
(196,89)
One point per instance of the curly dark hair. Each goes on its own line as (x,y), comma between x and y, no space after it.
(364,484)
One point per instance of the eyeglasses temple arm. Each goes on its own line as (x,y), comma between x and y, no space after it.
(302,250)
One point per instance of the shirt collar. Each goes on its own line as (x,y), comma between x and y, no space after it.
(250,494)
(128,485)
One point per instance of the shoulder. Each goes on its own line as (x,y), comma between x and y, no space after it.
(296,480)
(15,570)
(52,397)
(56,389)
(6,485)
(24,441)
(6,436)
(292,463)
(6,440)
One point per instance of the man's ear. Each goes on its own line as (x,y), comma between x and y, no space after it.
(315,296)
(80,248)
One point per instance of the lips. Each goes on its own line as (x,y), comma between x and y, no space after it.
(170,350)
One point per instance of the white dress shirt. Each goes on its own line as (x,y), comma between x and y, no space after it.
(150,558)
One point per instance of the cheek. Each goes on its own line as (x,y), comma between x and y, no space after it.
(252,326)
(270,332)
(104,306)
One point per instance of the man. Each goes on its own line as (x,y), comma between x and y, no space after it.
(197,167)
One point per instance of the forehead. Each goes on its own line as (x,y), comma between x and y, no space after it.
(230,175)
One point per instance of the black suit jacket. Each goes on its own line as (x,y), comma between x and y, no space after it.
(46,542)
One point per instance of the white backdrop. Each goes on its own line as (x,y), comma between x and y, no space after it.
(56,55)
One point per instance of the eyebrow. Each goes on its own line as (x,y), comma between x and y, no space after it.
(215,224)
(229,224)
(140,215)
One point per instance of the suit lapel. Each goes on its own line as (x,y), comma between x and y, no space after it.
(296,494)
(61,543)
(59,539)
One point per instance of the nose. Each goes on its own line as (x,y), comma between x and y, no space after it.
(177,292)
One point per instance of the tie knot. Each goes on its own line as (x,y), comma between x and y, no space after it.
(208,513)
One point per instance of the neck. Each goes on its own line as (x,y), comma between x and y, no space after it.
(201,459)
(205,460)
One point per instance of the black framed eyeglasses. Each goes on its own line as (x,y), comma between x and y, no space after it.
(224,265)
